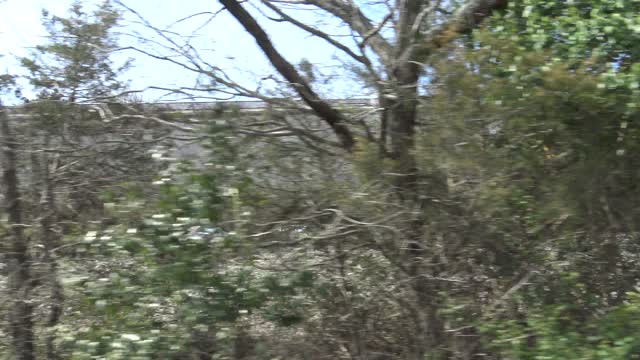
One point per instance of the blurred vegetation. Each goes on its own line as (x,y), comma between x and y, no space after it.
(264,247)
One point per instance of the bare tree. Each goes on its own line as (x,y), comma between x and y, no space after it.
(417,31)
(401,44)
(390,45)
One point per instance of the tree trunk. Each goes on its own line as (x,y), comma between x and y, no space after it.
(20,281)
(429,337)
(403,113)
(50,242)
(401,60)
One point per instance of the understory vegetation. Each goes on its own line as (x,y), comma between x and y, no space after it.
(483,203)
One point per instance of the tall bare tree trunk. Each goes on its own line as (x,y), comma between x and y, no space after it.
(57,295)
(20,281)
(403,108)
(44,189)
(429,334)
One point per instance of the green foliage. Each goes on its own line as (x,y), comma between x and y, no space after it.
(76,64)
(540,112)
(521,241)
(553,332)
(601,37)
(8,86)
(181,281)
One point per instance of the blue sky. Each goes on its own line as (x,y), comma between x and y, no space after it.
(222,42)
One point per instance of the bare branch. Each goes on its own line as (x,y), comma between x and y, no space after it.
(311,30)
(375,31)
(348,12)
(463,20)
(322,108)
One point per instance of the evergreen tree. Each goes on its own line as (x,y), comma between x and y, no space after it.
(76,64)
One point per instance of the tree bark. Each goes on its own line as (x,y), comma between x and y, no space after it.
(20,281)
(45,188)
(403,107)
